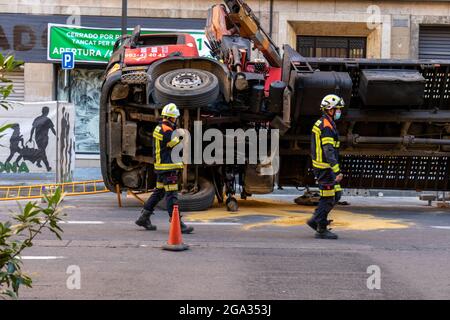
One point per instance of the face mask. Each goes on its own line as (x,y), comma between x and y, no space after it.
(337,114)
(172,122)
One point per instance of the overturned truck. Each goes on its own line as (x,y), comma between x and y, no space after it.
(395,132)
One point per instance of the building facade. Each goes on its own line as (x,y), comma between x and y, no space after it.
(347,29)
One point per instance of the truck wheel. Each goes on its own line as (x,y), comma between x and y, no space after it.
(202,200)
(187,88)
(232,204)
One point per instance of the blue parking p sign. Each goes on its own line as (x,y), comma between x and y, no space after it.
(68,60)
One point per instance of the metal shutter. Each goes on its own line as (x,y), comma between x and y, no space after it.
(18,83)
(434,42)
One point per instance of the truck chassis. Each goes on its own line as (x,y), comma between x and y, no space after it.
(395,133)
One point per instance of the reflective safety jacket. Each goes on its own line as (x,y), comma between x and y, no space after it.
(162,147)
(325,145)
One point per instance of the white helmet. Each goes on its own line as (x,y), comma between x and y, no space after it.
(170,110)
(332,101)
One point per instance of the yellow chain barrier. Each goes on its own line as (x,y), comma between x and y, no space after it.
(37,191)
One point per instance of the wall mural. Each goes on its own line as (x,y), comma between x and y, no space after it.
(24,147)
(84,93)
(35,137)
(66,145)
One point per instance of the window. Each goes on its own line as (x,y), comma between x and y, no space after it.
(18,81)
(332,47)
(84,92)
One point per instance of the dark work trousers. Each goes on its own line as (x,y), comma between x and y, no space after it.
(166,185)
(42,143)
(330,194)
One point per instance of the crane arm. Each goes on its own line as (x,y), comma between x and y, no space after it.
(249,27)
(237,18)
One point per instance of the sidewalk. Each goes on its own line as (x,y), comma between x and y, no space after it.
(356,192)
(83,174)
(23,179)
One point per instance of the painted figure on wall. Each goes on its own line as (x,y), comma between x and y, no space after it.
(14,141)
(66,147)
(41,125)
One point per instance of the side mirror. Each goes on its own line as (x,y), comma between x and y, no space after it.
(118,43)
(135,36)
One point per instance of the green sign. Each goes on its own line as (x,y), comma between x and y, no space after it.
(96,45)
(7,167)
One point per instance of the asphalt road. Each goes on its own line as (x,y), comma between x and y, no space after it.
(263,252)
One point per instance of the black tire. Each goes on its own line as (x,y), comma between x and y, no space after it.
(187,88)
(105,163)
(202,200)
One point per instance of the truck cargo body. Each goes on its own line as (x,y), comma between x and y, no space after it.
(396,126)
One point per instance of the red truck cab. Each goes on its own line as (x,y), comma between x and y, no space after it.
(152,47)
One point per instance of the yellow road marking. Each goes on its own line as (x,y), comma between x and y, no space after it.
(287,214)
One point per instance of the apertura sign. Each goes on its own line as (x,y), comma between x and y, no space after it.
(95,45)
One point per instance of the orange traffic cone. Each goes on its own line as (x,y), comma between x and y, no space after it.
(175,242)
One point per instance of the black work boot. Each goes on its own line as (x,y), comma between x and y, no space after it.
(185,228)
(324,233)
(312,224)
(144,220)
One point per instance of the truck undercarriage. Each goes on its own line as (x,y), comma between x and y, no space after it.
(395,133)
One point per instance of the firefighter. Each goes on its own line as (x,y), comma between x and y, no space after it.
(166,170)
(325,161)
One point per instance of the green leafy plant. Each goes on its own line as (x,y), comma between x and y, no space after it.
(32,219)
(7,64)
(14,238)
